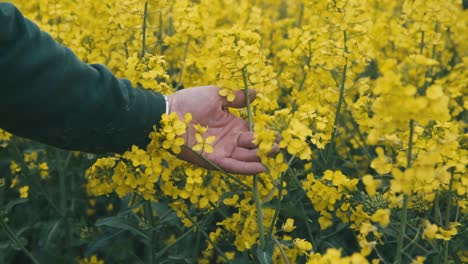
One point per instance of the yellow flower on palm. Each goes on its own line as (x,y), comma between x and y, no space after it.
(172,129)
(204,144)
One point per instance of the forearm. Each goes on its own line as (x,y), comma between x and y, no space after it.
(49,95)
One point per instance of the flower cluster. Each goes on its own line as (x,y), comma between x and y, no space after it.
(4,138)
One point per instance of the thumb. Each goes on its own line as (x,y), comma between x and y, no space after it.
(240,100)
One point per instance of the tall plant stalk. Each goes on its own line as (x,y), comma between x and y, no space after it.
(331,145)
(404,213)
(145,18)
(11,235)
(258,203)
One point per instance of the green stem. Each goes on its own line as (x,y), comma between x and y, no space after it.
(280,198)
(247,99)
(145,17)
(163,217)
(437,214)
(12,236)
(62,182)
(338,107)
(306,221)
(446,250)
(166,248)
(207,237)
(258,205)
(380,256)
(283,254)
(421,45)
(413,241)
(447,214)
(449,199)
(358,130)
(196,246)
(179,83)
(404,216)
(160,33)
(216,208)
(62,164)
(404,219)
(149,218)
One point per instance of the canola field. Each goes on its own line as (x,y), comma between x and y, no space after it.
(368,98)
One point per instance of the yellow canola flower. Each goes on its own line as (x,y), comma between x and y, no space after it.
(15,168)
(4,138)
(228,93)
(288,226)
(194,175)
(91,260)
(303,56)
(172,130)
(231,201)
(430,231)
(203,144)
(44,170)
(382,164)
(419,260)
(230,255)
(24,192)
(463,255)
(325,221)
(14,182)
(371,184)
(381,216)
(333,255)
(31,157)
(423,60)
(302,245)
(447,234)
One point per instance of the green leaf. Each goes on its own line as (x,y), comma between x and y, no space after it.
(119,223)
(5,244)
(13,203)
(52,231)
(265,255)
(130,209)
(102,242)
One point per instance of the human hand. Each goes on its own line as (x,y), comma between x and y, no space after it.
(234,150)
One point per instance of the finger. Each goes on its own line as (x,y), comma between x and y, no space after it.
(240,99)
(243,154)
(241,167)
(245,140)
(278,138)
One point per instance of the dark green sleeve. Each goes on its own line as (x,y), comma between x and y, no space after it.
(49,95)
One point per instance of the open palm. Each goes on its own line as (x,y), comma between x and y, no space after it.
(234,150)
